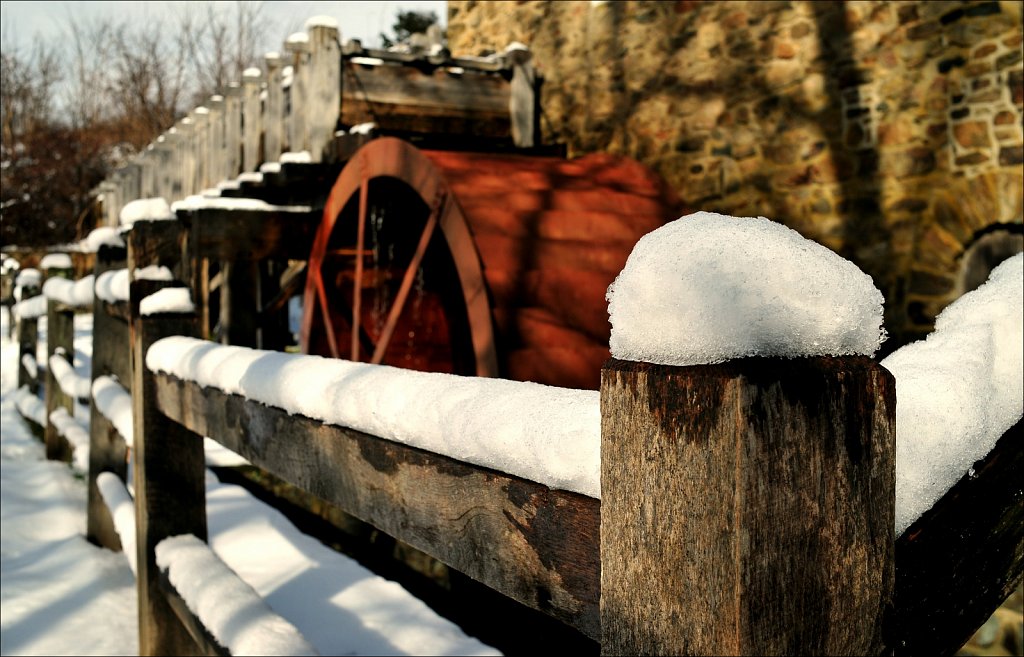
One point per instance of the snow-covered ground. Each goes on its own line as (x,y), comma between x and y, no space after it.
(61,595)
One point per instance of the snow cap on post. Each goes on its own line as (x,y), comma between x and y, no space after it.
(145,209)
(707,288)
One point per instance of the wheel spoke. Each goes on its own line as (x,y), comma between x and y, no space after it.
(332,341)
(357,292)
(407,279)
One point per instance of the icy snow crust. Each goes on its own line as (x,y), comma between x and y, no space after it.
(707,288)
(958,390)
(234,613)
(542,433)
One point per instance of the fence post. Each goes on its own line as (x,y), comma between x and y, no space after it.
(111,344)
(215,143)
(200,138)
(273,115)
(747,508)
(60,333)
(232,130)
(298,50)
(323,96)
(252,118)
(170,497)
(240,302)
(28,336)
(522,101)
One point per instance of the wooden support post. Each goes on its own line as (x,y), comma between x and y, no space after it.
(298,55)
(60,333)
(170,497)
(28,336)
(111,345)
(273,114)
(215,145)
(252,118)
(232,131)
(522,102)
(747,508)
(147,172)
(200,138)
(240,303)
(187,156)
(323,96)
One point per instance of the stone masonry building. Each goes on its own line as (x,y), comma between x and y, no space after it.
(890,132)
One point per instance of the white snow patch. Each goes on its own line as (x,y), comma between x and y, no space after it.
(167,300)
(297,37)
(250,177)
(270,167)
(30,406)
(145,209)
(77,436)
(296,157)
(122,509)
(28,278)
(55,261)
(543,433)
(227,184)
(102,236)
(72,293)
(192,203)
(321,21)
(366,61)
(958,390)
(252,72)
(707,288)
(230,609)
(31,308)
(28,361)
(362,128)
(115,403)
(73,384)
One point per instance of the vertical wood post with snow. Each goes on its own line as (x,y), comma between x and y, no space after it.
(748,507)
(297,47)
(273,115)
(28,336)
(59,340)
(215,147)
(200,130)
(323,96)
(170,497)
(252,118)
(111,354)
(522,102)
(232,131)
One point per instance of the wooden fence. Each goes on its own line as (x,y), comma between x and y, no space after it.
(746,508)
(291,109)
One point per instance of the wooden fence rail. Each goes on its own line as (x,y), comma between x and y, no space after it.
(746,507)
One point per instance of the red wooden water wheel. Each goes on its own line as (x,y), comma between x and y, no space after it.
(475,263)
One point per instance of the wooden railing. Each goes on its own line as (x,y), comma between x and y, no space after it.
(746,508)
(295,103)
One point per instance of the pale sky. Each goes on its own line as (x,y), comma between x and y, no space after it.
(23,21)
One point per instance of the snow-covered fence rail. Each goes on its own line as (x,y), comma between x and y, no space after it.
(728,454)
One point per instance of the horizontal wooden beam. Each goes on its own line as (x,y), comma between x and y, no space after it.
(962,558)
(250,234)
(536,545)
(205,641)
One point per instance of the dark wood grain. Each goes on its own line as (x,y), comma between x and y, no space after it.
(170,496)
(747,508)
(107,453)
(961,559)
(59,335)
(536,545)
(250,234)
(28,337)
(240,303)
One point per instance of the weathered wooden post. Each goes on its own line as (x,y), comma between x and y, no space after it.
(215,145)
(323,97)
(747,508)
(232,131)
(170,498)
(273,115)
(522,101)
(240,302)
(187,154)
(28,330)
(200,138)
(111,354)
(252,118)
(297,48)
(60,333)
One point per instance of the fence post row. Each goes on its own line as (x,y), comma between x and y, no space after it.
(747,508)
(111,355)
(59,337)
(170,494)
(28,336)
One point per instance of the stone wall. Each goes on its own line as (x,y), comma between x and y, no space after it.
(889,131)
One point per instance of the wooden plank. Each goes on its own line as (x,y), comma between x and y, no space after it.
(250,234)
(395,85)
(323,98)
(28,336)
(170,495)
(747,507)
(958,562)
(535,545)
(204,640)
(107,453)
(59,335)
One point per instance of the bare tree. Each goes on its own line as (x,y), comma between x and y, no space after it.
(218,45)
